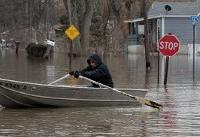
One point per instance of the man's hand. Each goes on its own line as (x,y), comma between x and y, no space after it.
(71,73)
(76,74)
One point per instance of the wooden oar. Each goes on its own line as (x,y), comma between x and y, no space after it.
(139,99)
(59,79)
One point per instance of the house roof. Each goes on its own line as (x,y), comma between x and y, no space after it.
(178,9)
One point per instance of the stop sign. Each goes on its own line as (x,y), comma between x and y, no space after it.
(168,45)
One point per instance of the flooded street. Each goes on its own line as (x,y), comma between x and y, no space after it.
(180,116)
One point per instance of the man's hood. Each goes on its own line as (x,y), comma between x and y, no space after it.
(95,58)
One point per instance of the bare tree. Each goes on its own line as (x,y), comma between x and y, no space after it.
(146,27)
(101,22)
(82,13)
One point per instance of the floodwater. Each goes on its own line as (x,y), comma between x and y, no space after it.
(180,116)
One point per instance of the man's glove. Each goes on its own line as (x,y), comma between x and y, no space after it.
(76,74)
(71,73)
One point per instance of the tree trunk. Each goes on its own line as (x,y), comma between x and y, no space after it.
(86,23)
(146,40)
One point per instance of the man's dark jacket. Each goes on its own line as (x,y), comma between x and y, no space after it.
(100,73)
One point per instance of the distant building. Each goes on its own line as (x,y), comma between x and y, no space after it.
(176,21)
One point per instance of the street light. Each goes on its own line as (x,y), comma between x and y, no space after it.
(168,8)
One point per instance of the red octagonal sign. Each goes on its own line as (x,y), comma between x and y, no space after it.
(169,45)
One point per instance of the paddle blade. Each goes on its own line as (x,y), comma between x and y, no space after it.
(149,103)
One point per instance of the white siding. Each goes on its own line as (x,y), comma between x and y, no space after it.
(183,29)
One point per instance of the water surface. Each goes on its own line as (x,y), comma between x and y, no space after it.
(180,116)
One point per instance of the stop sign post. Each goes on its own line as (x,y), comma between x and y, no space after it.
(168,46)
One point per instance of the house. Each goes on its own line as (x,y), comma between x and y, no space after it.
(163,18)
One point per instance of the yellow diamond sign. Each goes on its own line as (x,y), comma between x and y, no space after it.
(72,32)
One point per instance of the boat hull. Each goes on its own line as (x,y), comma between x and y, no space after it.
(24,94)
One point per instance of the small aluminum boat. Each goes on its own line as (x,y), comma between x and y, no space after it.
(15,94)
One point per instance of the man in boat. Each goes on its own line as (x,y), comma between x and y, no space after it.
(96,70)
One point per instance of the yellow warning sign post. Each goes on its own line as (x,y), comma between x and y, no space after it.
(72,32)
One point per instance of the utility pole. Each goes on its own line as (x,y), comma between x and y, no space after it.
(194,21)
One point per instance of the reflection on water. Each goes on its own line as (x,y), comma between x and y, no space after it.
(75,122)
(180,116)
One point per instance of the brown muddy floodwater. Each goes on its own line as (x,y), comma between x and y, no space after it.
(180,116)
